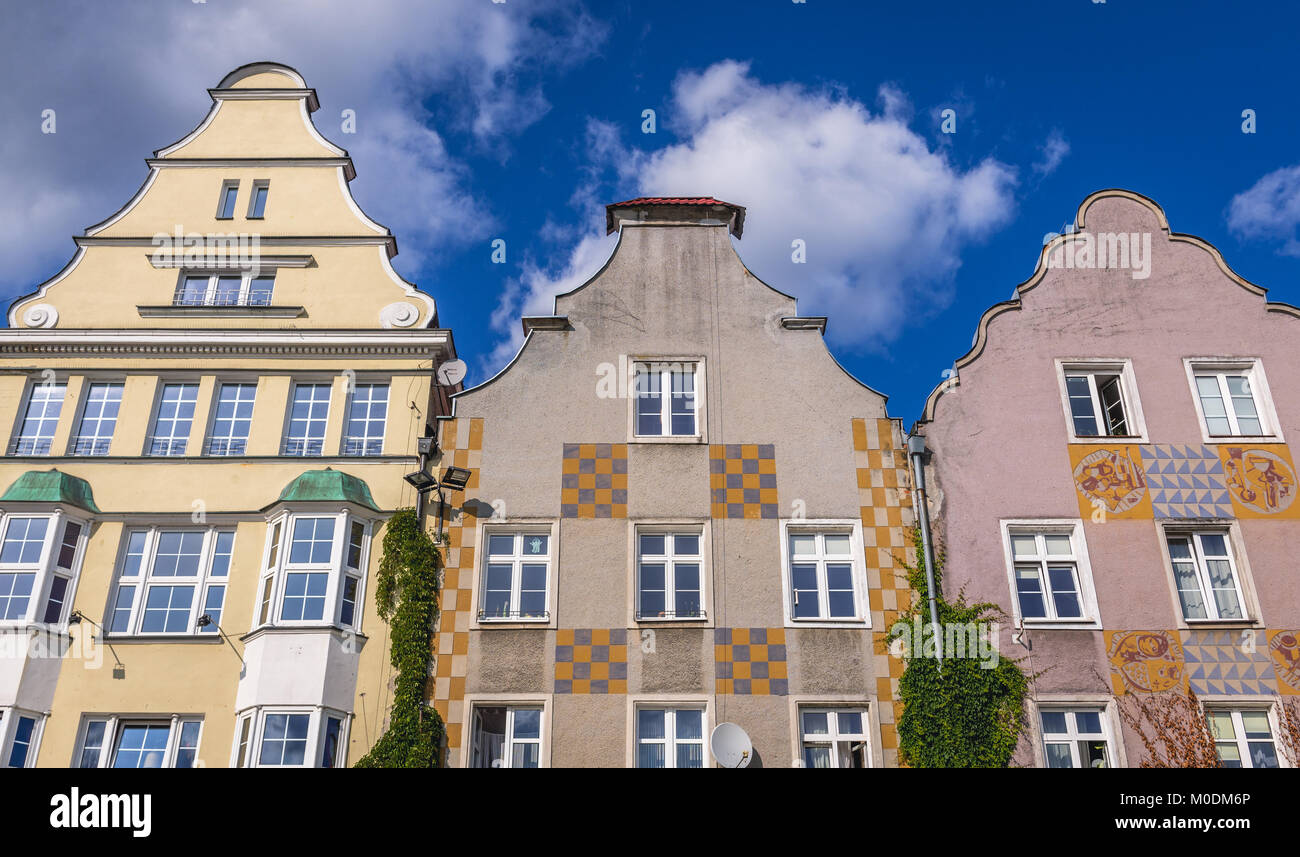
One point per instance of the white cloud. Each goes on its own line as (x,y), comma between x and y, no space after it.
(885,217)
(1053,151)
(1270,209)
(128,77)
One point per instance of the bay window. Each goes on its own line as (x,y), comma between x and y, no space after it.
(115,741)
(314,570)
(291,737)
(40,555)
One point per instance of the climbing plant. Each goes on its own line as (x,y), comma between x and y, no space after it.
(406,595)
(968,710)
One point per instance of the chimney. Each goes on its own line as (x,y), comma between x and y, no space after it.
(676,211)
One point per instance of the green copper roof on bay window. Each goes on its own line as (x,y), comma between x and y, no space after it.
(51,486)
(329,486)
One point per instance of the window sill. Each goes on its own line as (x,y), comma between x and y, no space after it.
(170,311)
(275,630)
(162,638)
(1229,439)
(1111,440)
(696,440)
(856,624)
(1219,624)
(1061,625)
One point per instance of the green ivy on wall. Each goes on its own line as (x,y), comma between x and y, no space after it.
(407,598)
(969,711)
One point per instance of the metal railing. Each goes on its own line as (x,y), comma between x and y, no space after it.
(255,297)
(167,445)
(302,446)
(31,446)
(225,446)
(672,614)
(91,446)
(363,446)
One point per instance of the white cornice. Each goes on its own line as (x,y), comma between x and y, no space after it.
(263,240)
(344,162)
(235,343)
(187,259)
(308,94)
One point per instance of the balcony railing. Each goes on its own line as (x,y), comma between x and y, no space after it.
(91,446)
(255,297)
(514,615)
(671,614)
(226,446)
(302,446)
(363,446)
(31,446)
(167,445)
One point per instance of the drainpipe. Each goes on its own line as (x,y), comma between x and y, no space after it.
(916,451)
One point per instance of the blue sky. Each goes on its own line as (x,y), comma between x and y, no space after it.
(520,120)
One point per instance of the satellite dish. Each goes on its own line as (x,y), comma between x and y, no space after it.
(731,746)
(452,372)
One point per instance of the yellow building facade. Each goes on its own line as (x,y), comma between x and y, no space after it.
(205,419)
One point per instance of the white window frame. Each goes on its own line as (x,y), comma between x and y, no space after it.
(1093,366)
(318,717)
(144,578)
(42,445)
(508,701)
(849,526)
(288,440)
(258,185)
(176,445)
(670,741)
(1110,724)
(226,186)
(115,725)
(636,702)
(47,567)
(210,292)
(1236,706)
(212,439)
(521,527)
(667,364)
(348,447)
(1231,531)
(1073,527)
(276,567)
(870,733)
(1253,369)
(9,735)
(98,440)
(699,529)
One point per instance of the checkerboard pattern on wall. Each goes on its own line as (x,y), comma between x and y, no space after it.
(594,481)
(750,661)
(462,445)
(742,480)
(591,660)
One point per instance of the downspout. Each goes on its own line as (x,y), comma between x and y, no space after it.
(916,451)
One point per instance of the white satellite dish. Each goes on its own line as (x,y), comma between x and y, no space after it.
(452,372)
(731,746)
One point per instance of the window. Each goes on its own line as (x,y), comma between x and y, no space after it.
(1075,738)
(506,737)
(233,417)
(98,420)
(171,428)
(835,737)
(257,201)
(666,400)
(1205,576)
(1047,578)
(226,202)
(168,579)
(30,572)
(1243,737)
(516,575)
(309,412)
(231,288)
(20,560)
(22,752)
(284,740)
(64,567)
(352,573)
(823,574)
(670,738)
(314,571)
(311,546)
(292,738)
(367,415)
(1232,398)
(1098,403)
(669,575)
(40,419)
(110,741)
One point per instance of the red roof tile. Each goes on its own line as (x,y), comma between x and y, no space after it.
(737,210)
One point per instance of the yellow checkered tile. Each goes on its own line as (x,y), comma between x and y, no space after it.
(594,481)
(742,480)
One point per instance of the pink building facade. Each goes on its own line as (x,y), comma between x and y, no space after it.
(1110,463)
